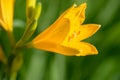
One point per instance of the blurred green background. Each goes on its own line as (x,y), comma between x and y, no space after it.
(42,65)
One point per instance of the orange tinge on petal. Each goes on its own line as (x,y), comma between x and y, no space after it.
(65,34)
(6,14)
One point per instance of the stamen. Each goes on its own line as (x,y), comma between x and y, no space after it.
(69,39)
(74,34)
(78,32)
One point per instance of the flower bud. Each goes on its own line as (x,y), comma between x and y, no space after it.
(30,5)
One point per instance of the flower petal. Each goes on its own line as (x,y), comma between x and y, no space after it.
(6,13)
(79,14)
(59,21)
(83,48)
(55,33)
(48,46)
(86,31)
(76,18)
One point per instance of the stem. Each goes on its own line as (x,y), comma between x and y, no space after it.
(14,64)
(13,76)
(11,38)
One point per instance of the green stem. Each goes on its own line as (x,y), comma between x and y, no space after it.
(14,64)
(13,76)
(11,38)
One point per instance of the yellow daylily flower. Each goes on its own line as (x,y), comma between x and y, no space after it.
(6,14)
(64,36)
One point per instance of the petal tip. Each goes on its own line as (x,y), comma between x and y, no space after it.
(84,4)
(95,51)
(98,26)
(74,5)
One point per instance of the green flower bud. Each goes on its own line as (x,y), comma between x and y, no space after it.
(37,11)
(30,5)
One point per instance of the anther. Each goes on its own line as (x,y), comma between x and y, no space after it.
(74,34)
(69,39)
(78,32)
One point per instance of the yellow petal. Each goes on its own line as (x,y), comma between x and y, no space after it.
(2,24)
(59,21)
(75,13)
(83,48)
(48,46)
(6,14)
(79,14)
(86,31)
(55,33)
(68,12)
(0,12)
(76,19)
